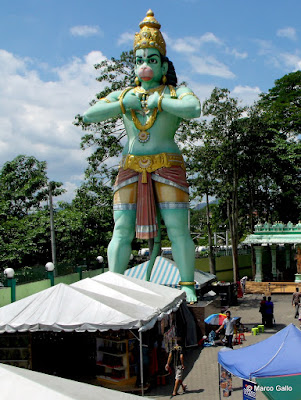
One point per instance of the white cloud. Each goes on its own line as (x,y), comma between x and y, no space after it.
(209,37)
(70,188)
(191,44)
(210,66)
(36,116)
(126,38)
(247,94)
(237,54)
(264,46)
(86,30)
(291,61)
(288,32)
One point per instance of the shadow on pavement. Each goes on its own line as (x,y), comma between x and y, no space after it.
(191,355)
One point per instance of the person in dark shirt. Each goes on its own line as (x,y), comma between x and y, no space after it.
(262,309)
(269,312)
(296,301)
(176,356)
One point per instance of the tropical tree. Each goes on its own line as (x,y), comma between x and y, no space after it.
(280,109)
(24,186)
(24,228)
(281,106)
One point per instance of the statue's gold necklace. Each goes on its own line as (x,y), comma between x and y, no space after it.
(143,135)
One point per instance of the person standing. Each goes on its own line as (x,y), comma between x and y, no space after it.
(269,312)
(228,324)
(176,355)
(262,310)
(296,302)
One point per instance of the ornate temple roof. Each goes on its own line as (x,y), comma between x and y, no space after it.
(277,233)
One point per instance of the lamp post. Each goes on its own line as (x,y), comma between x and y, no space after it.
(52,231)
(9,273)
(50,272)
(100,260)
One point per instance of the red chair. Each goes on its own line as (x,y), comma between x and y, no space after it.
(237,340)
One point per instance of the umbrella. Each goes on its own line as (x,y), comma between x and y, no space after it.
(215,319)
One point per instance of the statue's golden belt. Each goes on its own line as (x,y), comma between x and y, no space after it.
(151,163)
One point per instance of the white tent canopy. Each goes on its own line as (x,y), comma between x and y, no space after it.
(108,301)
(18,383)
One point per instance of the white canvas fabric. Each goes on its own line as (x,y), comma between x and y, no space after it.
(108,301)
(18,383)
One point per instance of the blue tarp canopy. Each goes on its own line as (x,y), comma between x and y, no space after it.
(165,272)
(276,356)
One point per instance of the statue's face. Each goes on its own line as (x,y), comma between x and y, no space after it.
(148,66)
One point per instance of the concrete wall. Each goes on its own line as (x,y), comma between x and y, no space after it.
(28,289)
(224,266)
(5,296)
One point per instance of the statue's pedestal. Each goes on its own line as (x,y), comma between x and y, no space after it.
(298,278)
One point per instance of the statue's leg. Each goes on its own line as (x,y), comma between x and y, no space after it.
(120,247)
(183,249)
(173,203)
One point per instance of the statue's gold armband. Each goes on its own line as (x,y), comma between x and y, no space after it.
(188,94)
(105,99)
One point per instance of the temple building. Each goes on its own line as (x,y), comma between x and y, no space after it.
(277,237)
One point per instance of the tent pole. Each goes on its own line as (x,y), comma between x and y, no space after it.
(141,364)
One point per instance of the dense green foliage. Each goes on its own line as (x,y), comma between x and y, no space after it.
(24,228)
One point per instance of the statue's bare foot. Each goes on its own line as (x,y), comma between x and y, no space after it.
(190,294)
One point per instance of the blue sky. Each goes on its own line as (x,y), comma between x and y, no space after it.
(48,49)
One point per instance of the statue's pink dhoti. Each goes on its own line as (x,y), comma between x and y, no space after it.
(147,197)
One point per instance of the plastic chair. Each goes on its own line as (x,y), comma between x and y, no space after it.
(261,328)
(254,331)
(237,340)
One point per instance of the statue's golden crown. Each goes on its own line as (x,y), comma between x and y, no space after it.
(150,35)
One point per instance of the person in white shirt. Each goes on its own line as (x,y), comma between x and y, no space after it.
(228,325)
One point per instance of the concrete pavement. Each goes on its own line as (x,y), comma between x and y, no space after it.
(201,373)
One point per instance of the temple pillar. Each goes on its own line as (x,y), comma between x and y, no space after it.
(274,260)
(287,256)
(298,260)
(258,255)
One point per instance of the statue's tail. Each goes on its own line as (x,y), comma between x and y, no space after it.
(156,248)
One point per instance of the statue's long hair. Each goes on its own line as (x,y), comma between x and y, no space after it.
(171,73)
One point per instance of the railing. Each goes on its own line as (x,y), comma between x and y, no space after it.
(38,273)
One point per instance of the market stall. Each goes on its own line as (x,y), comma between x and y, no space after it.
(109,302)
(274,364)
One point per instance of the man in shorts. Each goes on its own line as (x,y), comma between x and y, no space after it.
(176,356)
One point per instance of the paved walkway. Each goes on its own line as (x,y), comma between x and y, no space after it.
(201,365)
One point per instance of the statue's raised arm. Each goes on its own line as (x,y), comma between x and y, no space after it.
(152,178)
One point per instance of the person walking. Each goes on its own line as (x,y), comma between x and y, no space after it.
(296,302)
(228,324)
(176,355)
